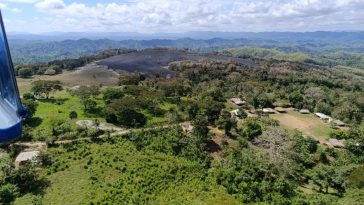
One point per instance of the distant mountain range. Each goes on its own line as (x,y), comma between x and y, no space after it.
(31,48)
(204,35)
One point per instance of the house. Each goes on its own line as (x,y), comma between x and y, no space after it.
(269,111)
(337,143)
(237,101)
(280,109)
(25,157)
(187,127)
(323,117)
(339,123)
(237,113)
(305,111)
(251,114)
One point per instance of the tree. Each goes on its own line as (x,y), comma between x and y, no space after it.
(324,108)
(111,94)
(276,142)
(348,112)
(89,105)
(86,95)
(131,79)
(124,112)
(86,92)
(25,72)
(31,105)
(8,192)
(296,99)
(315,94)
(26,178)
(251,128)
(326,176)
(45,87)
(200,128)
(73,115)
(226,122)
(131,118)
(262,100)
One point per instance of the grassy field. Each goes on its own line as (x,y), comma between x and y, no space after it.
(88,75)
(116,173)
(309,124)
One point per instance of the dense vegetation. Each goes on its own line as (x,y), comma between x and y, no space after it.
(57,66)
(220,160)
(335,49)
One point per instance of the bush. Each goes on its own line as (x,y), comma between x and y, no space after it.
(73,115)
(25,72)
(8,192)
(50,71)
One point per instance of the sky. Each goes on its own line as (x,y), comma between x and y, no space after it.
(178,16)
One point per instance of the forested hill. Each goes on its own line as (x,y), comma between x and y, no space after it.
(327,53)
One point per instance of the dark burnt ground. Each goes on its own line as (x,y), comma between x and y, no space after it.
(156,60)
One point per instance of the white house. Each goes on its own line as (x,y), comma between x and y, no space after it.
(323,117)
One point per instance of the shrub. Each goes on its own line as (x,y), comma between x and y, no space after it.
(8,192)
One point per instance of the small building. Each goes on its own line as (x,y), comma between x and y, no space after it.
(25,157)
(236,113)
(187,127)
(305,111)
(339,123)
(323,117)
(269,111)
(337,143)
(237,101)
(280,109)
(250,114)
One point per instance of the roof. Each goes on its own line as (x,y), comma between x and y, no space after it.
(322,116)
(26,156)
(268,110)
(337,143)
(280,109)
(339,123)
(187,126)
(236,112)
(305,111)
(237,101)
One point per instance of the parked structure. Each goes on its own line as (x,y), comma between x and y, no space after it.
(269,111)
(339,123)
(236,113)
(237,101)
(305,111)
(323,117)
(280,109)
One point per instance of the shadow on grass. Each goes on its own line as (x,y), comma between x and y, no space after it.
(59,101)
(95,113)
(33,122)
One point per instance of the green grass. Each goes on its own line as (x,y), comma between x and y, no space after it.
(115,172)
(309,124)
(58,108)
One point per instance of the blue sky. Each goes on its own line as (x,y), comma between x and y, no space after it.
(153,16)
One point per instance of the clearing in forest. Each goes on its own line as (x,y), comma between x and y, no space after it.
(306,123)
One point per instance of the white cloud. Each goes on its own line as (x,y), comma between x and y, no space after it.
(188,15)
(50,5)
(23,1)
(3,6)
(16,10)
